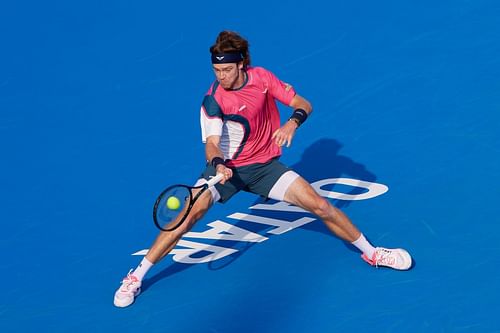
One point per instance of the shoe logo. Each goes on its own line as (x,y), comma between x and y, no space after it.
(220,58)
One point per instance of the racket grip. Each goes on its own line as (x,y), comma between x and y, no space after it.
(214,180)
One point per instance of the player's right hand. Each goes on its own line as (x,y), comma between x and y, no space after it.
(225,171)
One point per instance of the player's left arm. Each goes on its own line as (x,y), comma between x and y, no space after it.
(301,110)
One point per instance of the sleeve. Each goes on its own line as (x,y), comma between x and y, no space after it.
(211,118)
(280,90)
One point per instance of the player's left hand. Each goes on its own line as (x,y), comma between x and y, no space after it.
(285,133)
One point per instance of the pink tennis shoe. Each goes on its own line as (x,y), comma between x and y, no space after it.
(398,259)
(128,291)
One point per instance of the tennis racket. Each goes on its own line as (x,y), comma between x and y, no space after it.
(174,204)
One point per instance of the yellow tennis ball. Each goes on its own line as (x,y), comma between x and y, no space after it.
(173,203)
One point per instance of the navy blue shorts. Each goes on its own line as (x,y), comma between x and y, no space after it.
(269,180)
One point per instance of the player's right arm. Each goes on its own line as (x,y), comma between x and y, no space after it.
(212,150)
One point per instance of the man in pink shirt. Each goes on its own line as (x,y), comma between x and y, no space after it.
(243,136)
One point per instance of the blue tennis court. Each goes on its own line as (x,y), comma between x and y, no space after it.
(99,111)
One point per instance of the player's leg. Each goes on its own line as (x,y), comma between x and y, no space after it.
(164,243)
(292,188)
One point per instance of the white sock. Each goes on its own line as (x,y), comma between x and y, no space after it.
(364,246)
(142,269)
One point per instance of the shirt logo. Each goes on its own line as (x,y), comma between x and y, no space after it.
(243,107)
(288,87)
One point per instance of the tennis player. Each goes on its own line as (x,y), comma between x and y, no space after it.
(243,136)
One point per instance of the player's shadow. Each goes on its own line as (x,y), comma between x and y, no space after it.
(321,160)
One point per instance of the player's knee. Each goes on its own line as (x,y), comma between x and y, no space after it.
(321,208)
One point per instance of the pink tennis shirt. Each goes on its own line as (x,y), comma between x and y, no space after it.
(246,118)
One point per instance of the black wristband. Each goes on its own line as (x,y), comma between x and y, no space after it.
(216,161)
(299,115)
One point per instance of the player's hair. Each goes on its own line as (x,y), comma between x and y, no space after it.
(230,41)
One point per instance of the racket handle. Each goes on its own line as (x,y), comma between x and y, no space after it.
(214,180)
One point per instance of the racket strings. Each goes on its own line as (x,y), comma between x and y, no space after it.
(167,215)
